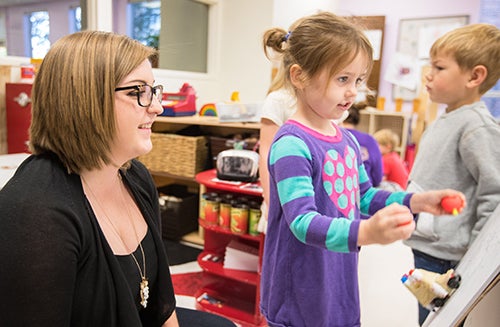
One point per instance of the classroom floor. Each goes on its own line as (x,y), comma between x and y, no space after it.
(385,302)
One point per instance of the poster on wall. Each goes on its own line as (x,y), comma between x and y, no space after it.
(403,71)
(415,39)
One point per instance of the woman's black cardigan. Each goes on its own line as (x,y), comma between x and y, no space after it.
(57,268)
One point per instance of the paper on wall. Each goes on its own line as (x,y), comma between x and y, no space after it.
(404,71)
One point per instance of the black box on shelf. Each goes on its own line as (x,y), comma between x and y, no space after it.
(179,211)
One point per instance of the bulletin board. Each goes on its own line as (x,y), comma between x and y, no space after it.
(374,30)
(415,39)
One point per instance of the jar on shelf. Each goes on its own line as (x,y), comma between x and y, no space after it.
(212,207)
(203,201)
(227,201)
(254,215)
(239,218)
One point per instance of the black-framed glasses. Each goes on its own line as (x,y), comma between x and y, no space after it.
(144,93)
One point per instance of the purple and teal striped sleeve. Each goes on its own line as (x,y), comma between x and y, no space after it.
(374,199)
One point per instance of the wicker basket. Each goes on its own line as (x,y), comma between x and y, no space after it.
(176,154)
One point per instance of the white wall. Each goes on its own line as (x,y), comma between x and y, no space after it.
(287,11)
(243,65)
(237,62)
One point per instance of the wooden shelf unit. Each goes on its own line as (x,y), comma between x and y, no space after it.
(372,120)
(209,124)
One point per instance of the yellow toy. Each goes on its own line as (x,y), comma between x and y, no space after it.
(431,289)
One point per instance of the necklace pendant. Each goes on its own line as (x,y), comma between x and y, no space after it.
(144,292)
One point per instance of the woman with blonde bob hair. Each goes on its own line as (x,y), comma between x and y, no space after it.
(80,220)
(74,109)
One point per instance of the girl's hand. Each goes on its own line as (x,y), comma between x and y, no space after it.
(390,224)
(430,201)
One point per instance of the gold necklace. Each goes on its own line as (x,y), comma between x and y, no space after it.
(144,287)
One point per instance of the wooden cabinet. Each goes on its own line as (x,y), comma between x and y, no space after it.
(372,120)
(229,292)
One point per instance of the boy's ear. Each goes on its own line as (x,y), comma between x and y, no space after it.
(297,76)
(478,75)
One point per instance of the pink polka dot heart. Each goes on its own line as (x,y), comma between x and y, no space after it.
(341,180)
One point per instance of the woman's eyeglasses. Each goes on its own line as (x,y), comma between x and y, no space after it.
(144,93)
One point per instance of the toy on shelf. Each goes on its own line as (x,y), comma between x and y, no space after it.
(182,103)
(452,204)
(431,289)
(208,109)
(235,96)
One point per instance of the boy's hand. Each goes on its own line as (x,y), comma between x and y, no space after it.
(390,224)
(430,201)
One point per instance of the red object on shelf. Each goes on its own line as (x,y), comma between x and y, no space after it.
(18,116)
(229,292)
(217,268)
(182,103)
(210,180)
(230,300)
(221,230)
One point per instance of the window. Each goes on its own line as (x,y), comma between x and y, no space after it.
(75,19)
(179,29)
(145,22)
(184,35)
(38,28)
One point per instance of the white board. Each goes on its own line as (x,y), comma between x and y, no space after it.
(478,268)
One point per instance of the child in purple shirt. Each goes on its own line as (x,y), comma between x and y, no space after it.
(319,186)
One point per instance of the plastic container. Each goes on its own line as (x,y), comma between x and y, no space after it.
(27,74)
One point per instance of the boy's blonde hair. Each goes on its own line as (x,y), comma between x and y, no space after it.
(387,137)
(470,46)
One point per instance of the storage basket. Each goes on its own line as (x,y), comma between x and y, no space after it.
(176,154)
(179,211)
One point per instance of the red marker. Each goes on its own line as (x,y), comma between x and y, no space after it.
(452,204)
(405,223)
